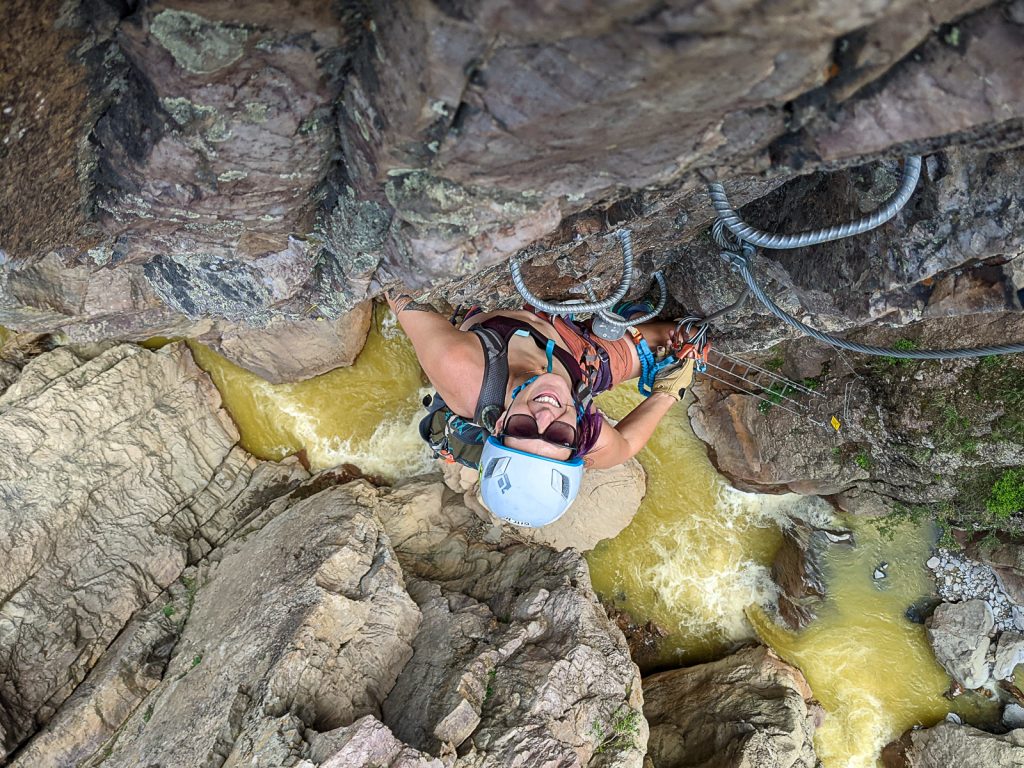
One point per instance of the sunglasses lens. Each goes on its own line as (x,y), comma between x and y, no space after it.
(560,433)
(525,427)
(521,426)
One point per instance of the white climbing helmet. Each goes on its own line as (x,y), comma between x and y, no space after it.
(525,489)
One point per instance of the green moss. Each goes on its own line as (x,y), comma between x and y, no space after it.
(903,345)
(625,727)
(168,611)
(863,460)
(197,660)
(1007,495)
(148,714)
(775,363)
(489,691)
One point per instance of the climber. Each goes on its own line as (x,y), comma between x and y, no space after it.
(544,428)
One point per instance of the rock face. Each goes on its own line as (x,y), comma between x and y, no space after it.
(1009,653)
(950,744)
(222,166)
(86,443)
(286,351)
(749,710)
(959,634)
(914,433)
(304,623)
(161,581)
(516,661)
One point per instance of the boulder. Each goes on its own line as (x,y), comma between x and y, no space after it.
(367,742)
(959,635)
(748,710)
(8,373)
(1009,653)
(516,661)
(291,350)
(117,472)
(302,624)
(948,744)
(797,570)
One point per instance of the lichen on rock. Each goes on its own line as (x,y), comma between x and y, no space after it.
(197,44)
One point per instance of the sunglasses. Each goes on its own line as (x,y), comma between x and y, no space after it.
(524,426)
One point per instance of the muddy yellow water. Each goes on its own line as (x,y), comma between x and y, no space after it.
(696,554)
(365,414)
(695,559)
(872,669)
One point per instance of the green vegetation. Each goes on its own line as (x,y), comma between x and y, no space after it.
(863,460)
(901,515)
(903,345)
(147,714)
(489,691)
(775,363)
(191,587)
(197,660)
(624,730)
(775,394)
(1007,496)
(1001,381)
(987,502)
(168,611)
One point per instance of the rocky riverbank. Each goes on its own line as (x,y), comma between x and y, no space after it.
(168,597)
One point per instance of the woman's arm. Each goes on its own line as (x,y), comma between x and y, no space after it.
(452,359)
(622,442)
(625,440)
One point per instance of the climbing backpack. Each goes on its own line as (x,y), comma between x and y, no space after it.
(455,438)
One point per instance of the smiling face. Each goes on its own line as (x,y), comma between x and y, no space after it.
(546,399)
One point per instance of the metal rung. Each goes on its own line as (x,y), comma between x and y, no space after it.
(762,384)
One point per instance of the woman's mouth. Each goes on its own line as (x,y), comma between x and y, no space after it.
(548,398)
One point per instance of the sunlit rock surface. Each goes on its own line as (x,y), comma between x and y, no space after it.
(748,710)
(160,581)
(951,744)
(515,660)
(117,473)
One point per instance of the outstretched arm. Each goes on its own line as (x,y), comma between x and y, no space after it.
(620,443)
(623,441)
(447,355)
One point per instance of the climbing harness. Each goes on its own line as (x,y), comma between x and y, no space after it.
(739,250)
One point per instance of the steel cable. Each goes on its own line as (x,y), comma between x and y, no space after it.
(563,308)
(747,233)
(742,264)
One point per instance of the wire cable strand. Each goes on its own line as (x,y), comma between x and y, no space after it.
(563,308)
(745,232)
(741,262)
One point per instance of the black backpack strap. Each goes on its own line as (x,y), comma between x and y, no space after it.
(491,401)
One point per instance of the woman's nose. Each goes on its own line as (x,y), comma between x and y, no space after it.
(543,414)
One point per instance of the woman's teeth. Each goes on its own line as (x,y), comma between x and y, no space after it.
(548,399)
